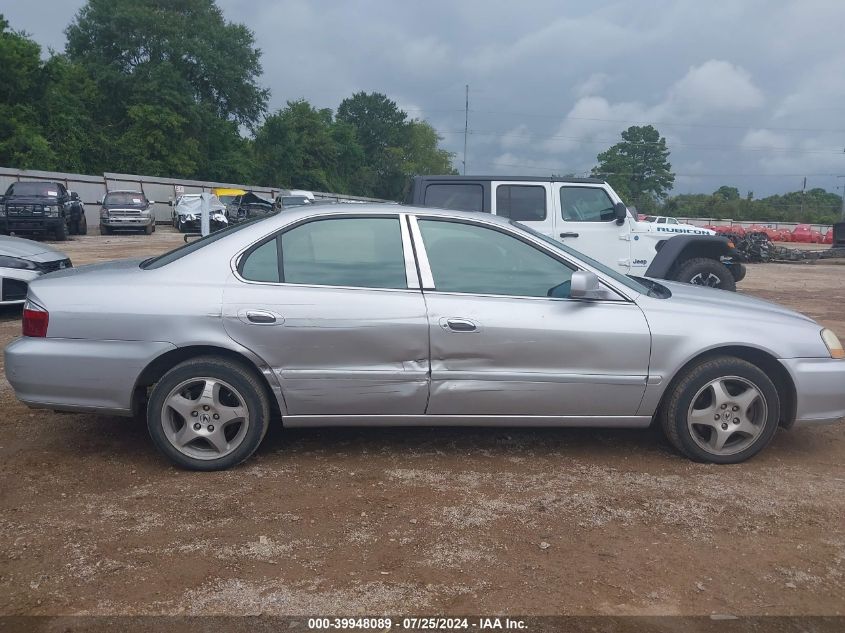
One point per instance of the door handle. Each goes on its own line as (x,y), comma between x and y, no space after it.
(458,325)
(260,317)
(569,235)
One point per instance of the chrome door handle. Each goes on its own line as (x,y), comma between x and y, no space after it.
(260,317)
(458,325)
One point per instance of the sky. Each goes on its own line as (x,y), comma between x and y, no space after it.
(748,93)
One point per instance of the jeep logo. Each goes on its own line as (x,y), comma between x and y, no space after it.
(640,262)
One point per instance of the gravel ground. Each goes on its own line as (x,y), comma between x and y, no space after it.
(438,521)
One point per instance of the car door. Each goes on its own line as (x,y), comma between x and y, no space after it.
(507,341)
(333,305)
(526,202)
(586,221)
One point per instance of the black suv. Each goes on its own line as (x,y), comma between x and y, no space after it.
(43,208)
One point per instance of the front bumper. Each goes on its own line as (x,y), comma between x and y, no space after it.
(820,389)
(17,224)
(131,222)
(78,375)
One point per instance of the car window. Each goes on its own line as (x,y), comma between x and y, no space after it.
(358,252)
(521,202)
(457,196)
(262,264)
(586,204)
(671,221)
(661,220)
(474,259)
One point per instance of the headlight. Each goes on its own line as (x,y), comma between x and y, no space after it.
(14,262)
(834,346)
(190,217)
(104,213)
(52,212)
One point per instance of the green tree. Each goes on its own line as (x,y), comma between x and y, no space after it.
(638,167)
(181,84)
(727,193)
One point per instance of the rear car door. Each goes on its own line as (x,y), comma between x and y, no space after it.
(526,202)
(333,305)
(507,341)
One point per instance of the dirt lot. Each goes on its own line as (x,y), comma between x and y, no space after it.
(462,521)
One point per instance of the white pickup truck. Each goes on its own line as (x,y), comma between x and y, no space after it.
(589,216)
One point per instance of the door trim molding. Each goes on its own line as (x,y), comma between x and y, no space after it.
(632,421)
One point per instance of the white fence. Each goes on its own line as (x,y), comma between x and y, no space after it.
(91,189)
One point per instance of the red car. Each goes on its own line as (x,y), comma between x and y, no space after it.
(806,234)
(828,237)
(772,234)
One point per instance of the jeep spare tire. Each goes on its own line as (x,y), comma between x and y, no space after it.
(702,271)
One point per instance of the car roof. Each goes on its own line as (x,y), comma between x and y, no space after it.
(472,179)
(124,191)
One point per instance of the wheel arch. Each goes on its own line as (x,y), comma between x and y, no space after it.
(153,372)
(761,359)
(674,251)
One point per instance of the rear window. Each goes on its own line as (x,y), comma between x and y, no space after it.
(190,247)
(457,196)
(34,189)
(521,202)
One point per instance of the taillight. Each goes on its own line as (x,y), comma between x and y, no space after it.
(35,320)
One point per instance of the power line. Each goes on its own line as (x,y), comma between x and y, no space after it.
(614,141)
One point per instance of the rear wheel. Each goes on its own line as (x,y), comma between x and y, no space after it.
(702,271)
(82,226)
(723,410)
(208,414)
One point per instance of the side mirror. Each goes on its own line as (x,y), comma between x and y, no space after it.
(621,212)
(151,202)
(100,201)
(585,285)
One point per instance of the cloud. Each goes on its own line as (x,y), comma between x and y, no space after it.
(517,137)
(714,86)
(592,85)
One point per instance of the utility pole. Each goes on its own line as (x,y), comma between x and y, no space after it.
(842,216)
(466,129)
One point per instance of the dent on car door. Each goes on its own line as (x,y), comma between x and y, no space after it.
(329,305)
(507,341)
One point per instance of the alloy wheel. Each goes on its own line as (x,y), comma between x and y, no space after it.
(727,415)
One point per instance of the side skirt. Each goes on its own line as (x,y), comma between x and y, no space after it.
(638,421)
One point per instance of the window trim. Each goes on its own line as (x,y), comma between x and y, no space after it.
(427,277)
(411,278)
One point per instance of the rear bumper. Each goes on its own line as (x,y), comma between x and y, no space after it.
(820,389)
(78,375)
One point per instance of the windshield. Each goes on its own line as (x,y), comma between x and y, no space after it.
(226,199)
(40,189)
(133,198)
(628,282)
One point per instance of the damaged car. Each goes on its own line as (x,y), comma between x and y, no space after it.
(187,213)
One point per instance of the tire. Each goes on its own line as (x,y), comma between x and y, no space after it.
(713,388)
(179,226)
(154,226)
(702,271)
(73,228)
(104,230)
(61,232)
(148,230)
(183,389)
(82,227)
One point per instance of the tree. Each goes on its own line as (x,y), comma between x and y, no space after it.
(181,81)
(727,193)
(394,146)
(638,167)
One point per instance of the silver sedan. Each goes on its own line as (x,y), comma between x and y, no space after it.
(390,315)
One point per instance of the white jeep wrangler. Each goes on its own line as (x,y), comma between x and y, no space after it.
(587,215)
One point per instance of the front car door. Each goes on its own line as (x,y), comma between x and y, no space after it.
(333,305)
(507,342)
(586,221)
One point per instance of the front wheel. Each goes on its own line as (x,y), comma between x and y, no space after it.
(702,271)
(61,232)
(208,414)
(723,410)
